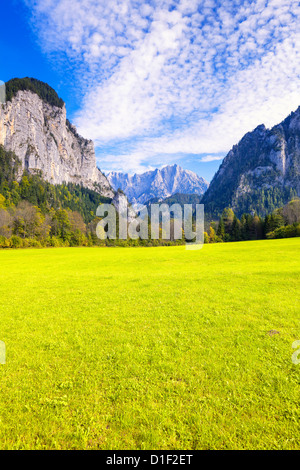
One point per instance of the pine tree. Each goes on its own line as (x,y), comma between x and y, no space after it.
(236,230)
(221,229)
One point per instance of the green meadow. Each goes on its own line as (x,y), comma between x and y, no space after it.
(151,348)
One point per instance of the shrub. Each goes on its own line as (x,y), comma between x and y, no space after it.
(55,242)
(4,242)
(16,242)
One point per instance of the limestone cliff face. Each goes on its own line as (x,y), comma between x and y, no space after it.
(45,141)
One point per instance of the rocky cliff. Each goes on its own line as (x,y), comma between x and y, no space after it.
(43,139)
(261,173)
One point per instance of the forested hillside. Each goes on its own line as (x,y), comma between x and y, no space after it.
(33,209)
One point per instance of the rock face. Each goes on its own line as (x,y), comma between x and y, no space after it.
(122,206)
(45,141)
(161,184)
(261,173)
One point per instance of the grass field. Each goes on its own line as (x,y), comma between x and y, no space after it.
(151,348)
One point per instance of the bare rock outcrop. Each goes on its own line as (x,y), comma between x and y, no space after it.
(45,141)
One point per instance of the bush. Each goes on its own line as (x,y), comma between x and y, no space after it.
(4,242)
(55,242)
(270,235)
(16,242)
(288,231)
(34,243)
(78,239)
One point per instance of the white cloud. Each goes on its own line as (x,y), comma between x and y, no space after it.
(211,158)
(165,77)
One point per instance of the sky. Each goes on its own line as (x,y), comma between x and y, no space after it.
(161,81)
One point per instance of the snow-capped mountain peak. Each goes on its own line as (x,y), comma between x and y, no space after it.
(159,183)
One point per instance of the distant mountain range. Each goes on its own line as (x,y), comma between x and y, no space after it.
(259,174)
(158,184)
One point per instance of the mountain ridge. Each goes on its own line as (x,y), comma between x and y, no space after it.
(158,183)
(261,172)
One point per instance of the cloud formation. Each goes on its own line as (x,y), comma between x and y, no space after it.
(162,78)
(211,158)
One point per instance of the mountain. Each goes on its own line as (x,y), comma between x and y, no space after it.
(160,184)
(34,126)
(260,173)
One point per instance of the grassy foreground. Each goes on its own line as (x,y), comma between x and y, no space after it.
(151,348)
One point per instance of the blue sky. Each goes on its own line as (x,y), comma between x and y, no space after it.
(161,81)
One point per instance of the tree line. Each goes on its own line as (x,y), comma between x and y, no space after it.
(281,223)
